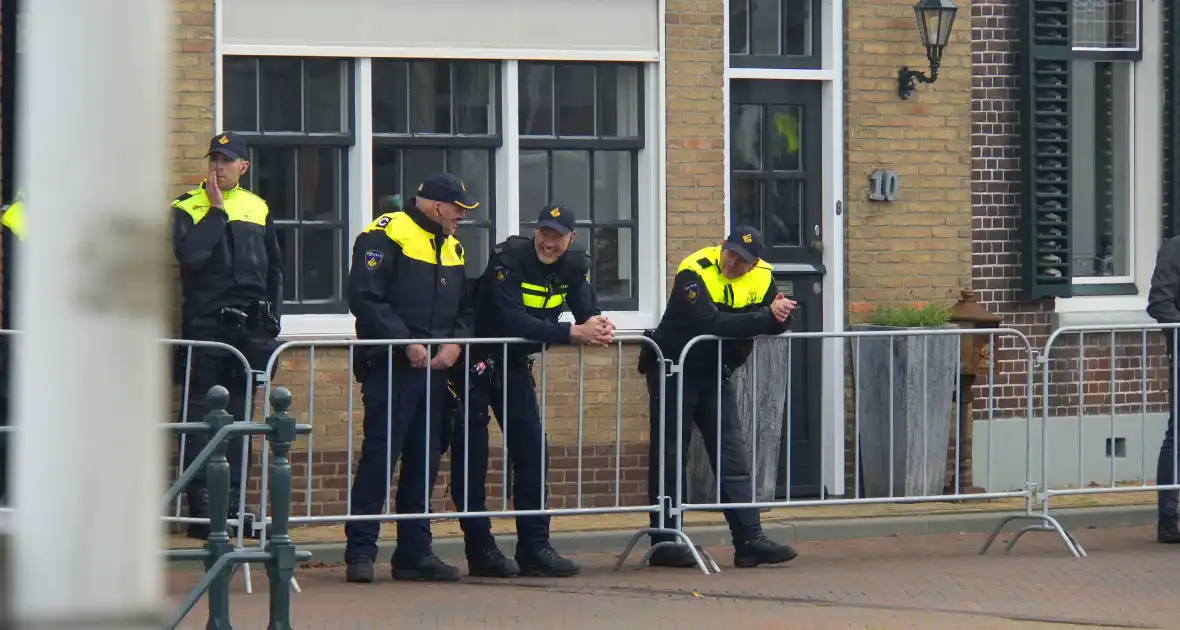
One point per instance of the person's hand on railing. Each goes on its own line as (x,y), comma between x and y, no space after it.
(446,357)
(597,331)
(418,356)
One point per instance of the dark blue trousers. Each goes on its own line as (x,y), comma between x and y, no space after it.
(469,459)
(395,424)
(700,408)
(1165,472)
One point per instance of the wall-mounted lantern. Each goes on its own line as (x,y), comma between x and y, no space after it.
(935,19)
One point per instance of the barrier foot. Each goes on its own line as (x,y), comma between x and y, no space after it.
(1046,524)
(631,546)
(698,553)
(295,585)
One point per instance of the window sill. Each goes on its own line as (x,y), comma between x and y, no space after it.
(1100,310)
(330,327)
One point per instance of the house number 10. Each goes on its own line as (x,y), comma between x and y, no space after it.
(883,185)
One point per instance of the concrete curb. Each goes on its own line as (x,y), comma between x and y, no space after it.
(1075,519)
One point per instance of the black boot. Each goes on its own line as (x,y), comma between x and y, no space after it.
(360,570)
(1167,531)
(427,568)
(488,561)
(546,562)
(678,557)
(761,550)
(198,507)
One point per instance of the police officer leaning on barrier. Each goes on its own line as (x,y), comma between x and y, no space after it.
(527,283)
(13,221)
(1163,305)
(726,291)
(407,281)
(231,281)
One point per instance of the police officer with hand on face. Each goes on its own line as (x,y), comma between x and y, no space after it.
(231,280)
(527,284)
(725,291)
(408,281)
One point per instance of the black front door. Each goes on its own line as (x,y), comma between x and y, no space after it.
(776,156)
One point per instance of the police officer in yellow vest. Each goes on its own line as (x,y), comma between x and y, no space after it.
(524,289)
(14,221)
(231,280)
(726,291)
(408,281)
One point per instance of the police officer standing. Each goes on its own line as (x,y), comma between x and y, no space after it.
(725,291)
(527,284)
(407,281)
(231,281)
(14,222)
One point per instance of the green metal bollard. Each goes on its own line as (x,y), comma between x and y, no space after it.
(217,482)
(280,568)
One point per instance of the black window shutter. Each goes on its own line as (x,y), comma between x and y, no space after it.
(1045,145)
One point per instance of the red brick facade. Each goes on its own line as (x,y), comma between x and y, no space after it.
(996,264)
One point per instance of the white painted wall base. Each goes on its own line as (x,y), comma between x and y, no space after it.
(1006,467)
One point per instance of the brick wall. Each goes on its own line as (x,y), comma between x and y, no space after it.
(996,202)
(918,248)
(696,127)
(926,140)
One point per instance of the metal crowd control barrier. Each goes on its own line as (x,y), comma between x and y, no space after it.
(251,380)
(1143,387)
(883,356)
(466,359)
(219,554)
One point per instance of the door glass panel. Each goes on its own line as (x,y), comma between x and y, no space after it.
(746,137)
(783,221)
(786,137)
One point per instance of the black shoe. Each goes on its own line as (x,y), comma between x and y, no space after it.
(360,570)
(198,507)
(428,568)
(1167,531)
(547,563)
(761,550)
(490,562)
(678,557)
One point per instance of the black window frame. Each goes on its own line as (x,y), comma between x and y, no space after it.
(813,61)
(768,93)
(593,144)
(490,142)
(342,141)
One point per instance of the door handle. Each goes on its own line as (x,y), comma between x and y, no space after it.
(816,246)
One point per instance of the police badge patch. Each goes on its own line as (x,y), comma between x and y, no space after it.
(500,273)
(373,258)
(691,291)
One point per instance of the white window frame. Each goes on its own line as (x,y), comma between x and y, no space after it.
(651,181)
(1147,194)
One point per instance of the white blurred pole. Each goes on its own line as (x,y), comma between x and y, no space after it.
(91,388)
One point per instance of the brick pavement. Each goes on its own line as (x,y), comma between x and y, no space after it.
(915,582)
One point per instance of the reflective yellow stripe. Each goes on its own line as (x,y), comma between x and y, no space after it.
(417,243)
(737,293)
(240,205)
(540,301)
(534,287)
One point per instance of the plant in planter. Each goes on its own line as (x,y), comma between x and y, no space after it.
(904,393)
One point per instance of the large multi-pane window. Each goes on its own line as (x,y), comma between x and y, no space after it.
(581,131)
(296,115)
(577,136)
(430,116)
